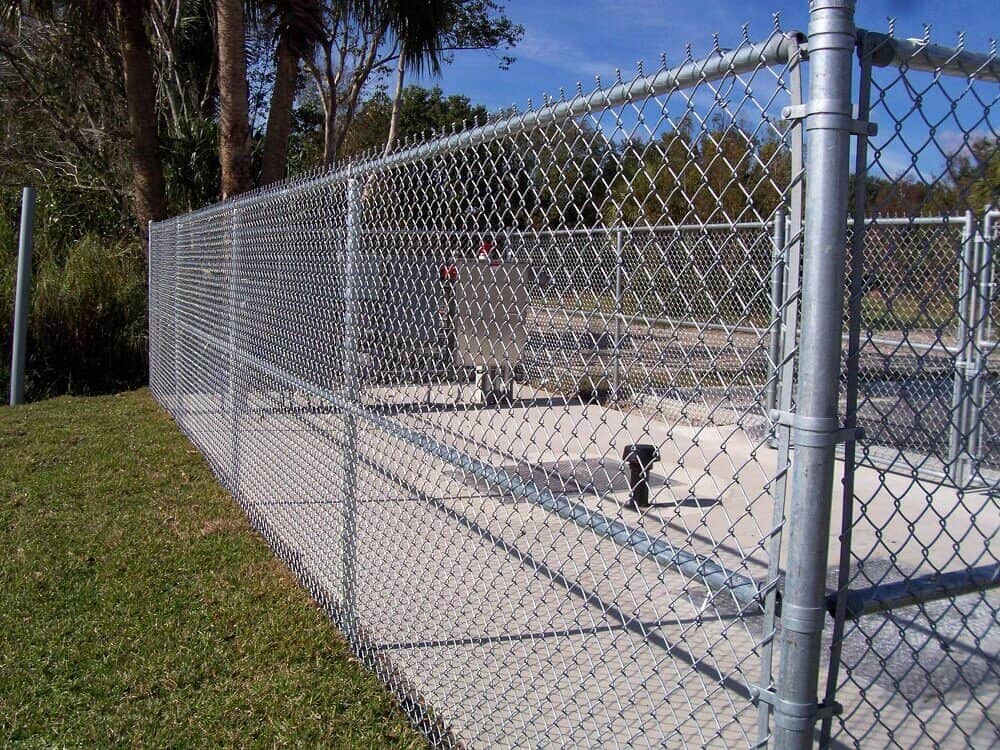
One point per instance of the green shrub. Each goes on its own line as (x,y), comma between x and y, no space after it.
(87,325)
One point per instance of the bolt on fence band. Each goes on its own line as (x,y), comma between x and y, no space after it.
(531,408)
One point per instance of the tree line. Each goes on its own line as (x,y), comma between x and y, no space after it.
(162,106)
(148,107)
(122,111)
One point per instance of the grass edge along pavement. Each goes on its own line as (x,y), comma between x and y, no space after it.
(138,608)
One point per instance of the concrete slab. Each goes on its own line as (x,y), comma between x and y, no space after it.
(519,628)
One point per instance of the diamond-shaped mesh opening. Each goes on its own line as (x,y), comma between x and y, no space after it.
(924,506)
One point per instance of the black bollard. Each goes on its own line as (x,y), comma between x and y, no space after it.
(640,458)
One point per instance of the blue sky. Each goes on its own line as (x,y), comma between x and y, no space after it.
(567,41)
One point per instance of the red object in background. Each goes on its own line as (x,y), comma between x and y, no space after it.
(486,253)
(449,272)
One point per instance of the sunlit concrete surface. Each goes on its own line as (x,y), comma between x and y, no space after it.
(520,628)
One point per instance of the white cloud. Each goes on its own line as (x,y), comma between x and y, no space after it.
(953,142)
(560,53)
(892,161)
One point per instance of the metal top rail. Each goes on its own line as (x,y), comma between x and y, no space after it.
(920,54)
(605,229)
(776,50)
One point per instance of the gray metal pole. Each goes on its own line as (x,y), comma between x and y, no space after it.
(984,345)
(351,394)
(177,318)
(853,367)
(989,219)
(978,348)
(777,308)
(815,430)
(233,399)
(616,393)
(965,330)
(23,296)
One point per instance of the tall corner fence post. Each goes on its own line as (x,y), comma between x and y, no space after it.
(979,346)
(232,400)
(22,301)
(149,261)
(988,282)
(856,279)
(815,427)
(177,318)
(984,346)
(152,315)
(151,336)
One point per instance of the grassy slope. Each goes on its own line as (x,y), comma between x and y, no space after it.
(137,608)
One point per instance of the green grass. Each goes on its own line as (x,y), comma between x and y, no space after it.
(138,609)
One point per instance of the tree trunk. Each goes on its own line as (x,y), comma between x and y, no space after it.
(336,122)
(279,117)
(234,117)
(329,129)
(147,169)
(397,101)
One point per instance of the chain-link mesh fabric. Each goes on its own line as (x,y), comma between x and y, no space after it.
(421,378)
(514,405)
(922,509)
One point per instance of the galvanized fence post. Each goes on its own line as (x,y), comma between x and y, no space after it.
(233,396)
(978,345)
(987,281)
(815,426)
(856,278)
(616,393)
(958,463)
(984,345)
(352,383)
(22,302)
(786,380)
(177,318)
(774,353)
(151,306)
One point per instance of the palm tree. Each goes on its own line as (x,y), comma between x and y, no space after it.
(425,32)
(353,44)
(147,168)
(274,162)
(420,29)
(299,28)
(125,19)
(234,116)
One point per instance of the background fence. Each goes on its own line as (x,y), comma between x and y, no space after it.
(530,408)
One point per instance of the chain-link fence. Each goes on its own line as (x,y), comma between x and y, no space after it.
(916,271)
(531,411)
(915,634)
